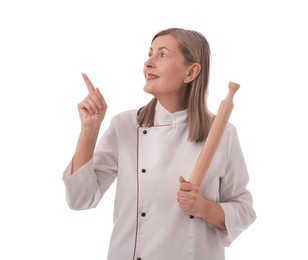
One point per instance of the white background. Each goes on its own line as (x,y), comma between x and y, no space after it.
(45,45)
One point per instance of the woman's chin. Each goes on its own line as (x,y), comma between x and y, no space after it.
(148,89)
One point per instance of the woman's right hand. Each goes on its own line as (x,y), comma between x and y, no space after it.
(93,108)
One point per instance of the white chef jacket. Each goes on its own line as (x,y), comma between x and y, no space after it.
(147,163)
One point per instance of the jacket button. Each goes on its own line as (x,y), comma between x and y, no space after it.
(145,132)
(191,216)
(143,214)
(138,258)
(143,170)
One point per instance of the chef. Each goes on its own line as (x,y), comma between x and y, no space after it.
(151,152)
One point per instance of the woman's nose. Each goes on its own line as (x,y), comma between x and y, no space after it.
(149,63)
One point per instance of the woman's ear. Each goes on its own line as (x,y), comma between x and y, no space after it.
(193,72)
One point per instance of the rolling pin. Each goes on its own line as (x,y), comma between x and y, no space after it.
(212,141)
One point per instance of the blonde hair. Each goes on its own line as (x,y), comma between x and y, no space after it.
(195,49)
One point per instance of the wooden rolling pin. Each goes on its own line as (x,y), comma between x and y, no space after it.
(214,136)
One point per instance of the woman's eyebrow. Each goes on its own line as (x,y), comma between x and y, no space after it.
(160,48)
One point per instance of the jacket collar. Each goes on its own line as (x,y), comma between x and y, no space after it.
(164,117)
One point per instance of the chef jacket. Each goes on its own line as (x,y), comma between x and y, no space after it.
(147,163)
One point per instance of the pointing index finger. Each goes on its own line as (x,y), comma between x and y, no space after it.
(88,83)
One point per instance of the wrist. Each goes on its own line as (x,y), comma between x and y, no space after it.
(90,129)
(205,209)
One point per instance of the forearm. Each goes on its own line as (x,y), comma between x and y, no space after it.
(192,201)
(85,147)
(213,213)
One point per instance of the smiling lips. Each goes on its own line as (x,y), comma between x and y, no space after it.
(151,76)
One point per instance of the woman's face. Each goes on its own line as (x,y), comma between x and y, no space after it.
(165,70)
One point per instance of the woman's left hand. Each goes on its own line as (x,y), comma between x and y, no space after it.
(190,199)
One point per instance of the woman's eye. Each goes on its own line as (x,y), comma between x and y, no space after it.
(162,54)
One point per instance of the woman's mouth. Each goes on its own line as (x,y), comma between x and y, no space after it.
(151,76)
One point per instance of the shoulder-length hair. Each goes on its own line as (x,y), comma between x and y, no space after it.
(195,49)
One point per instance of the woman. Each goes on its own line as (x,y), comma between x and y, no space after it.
(152,151)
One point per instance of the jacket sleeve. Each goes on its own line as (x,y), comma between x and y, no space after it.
(85,188)
(236,200)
